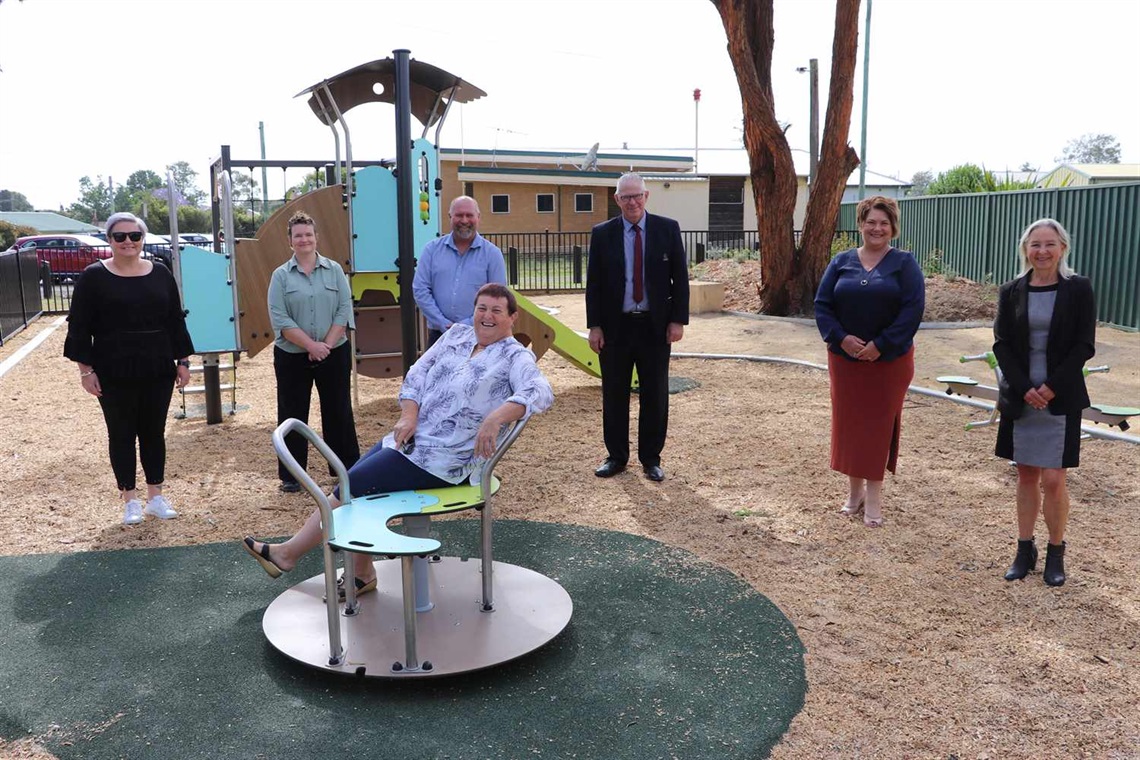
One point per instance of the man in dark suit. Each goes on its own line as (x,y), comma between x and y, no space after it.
(637,306)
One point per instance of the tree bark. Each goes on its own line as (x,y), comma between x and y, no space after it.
(748,25)
(789,279)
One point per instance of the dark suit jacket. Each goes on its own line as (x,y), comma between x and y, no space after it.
(1072,342)
(666,274)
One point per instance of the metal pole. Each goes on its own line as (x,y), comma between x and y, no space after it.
(866,80)
(696,129)
(264,178)
(404,231)
(813,75)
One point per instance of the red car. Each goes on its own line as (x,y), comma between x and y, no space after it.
(67,255)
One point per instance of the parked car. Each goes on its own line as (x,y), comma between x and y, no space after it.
(67,255)
(197,239)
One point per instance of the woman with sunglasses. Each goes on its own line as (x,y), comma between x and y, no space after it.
(127,332)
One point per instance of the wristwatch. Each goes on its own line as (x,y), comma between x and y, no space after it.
(183,362)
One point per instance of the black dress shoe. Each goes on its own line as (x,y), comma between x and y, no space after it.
(654,472)
(290,486)
(609,468)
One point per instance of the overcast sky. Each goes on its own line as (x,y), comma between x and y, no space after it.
(105,87)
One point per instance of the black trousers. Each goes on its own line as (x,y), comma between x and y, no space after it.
(135,409)
(295,378)
(432,337)
(638,345)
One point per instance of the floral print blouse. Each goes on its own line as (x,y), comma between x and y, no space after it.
(456,392)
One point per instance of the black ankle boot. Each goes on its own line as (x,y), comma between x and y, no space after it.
(1055,565)
(1025,560)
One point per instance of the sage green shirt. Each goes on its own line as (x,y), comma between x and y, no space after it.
(313,303)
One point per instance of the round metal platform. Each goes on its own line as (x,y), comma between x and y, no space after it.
(455,636)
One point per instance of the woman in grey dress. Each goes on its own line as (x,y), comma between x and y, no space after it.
(1044,333)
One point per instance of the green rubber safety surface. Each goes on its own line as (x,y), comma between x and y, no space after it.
(160,654)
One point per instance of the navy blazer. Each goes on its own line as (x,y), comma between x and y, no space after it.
(666,274)
(1072,342)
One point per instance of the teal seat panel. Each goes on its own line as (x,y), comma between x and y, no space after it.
(456,498)
(361,525)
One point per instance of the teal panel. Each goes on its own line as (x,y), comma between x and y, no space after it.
(374,220)
(427,172)
(208,295)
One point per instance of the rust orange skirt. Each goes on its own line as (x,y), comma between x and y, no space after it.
(866,413)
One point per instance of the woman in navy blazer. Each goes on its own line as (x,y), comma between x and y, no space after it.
(1044,333)
(868,309)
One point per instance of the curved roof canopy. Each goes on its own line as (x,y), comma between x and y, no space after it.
(431,89)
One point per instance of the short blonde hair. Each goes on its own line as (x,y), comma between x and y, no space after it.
(1063,268)
(888,206)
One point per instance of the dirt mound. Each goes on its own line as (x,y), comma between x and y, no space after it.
(947,300)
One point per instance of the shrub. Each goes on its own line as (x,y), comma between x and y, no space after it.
(9,232)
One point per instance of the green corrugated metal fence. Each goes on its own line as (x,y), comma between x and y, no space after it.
(976,236)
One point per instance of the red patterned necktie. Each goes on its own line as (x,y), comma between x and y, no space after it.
(638,265)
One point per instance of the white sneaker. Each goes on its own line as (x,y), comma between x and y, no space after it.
(160,508)
(133,515)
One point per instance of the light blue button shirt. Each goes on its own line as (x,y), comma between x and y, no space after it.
(313,303)
(446,282)
(628,304)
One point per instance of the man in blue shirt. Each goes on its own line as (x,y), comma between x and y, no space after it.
(453,267)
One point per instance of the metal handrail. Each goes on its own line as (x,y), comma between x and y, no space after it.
(486,517)
(293,425)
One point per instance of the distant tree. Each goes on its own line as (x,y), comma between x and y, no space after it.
(971,178)
(965,178)
(96,201)
(1091,149)
(137,190)
(312,181)
(790,274)
(184,183)
(10,232)
(920,182)
(10,200)
(192,219)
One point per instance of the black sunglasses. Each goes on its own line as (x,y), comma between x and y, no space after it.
(119,237)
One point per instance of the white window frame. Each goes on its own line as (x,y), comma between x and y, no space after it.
(553,203)
(501,195)
(583,195)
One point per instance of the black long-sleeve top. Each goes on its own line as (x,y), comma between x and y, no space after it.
(127,327)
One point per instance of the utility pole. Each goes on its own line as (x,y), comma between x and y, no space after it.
(264,181)
(696,129)
(866,79)
(813,74)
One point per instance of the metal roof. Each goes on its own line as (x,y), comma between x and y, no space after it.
(429,86)
(47,222)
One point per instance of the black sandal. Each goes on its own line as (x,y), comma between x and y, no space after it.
(262,557)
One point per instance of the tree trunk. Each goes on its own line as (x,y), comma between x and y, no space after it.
(788,281)
(748,25)
(837,159)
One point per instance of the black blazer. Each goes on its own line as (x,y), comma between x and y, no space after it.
(1072,342)
(666,274)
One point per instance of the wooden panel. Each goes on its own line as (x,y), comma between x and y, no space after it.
(258,257)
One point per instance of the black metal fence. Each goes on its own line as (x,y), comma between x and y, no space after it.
(554,261)
(19,291)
